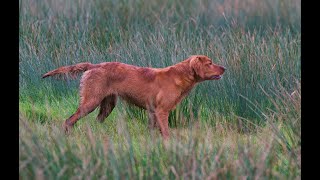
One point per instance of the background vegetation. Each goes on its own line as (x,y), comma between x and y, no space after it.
(246,125)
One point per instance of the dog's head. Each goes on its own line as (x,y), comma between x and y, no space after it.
(204,69)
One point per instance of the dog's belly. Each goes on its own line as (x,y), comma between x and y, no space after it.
(131,99)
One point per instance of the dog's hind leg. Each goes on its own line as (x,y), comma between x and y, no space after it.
(85,108)
(90,98)
(106,107)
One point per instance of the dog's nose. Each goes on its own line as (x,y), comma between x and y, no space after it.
(224,68)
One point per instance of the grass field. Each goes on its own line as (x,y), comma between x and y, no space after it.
(245,126)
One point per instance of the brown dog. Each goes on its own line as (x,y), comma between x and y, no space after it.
(158,90)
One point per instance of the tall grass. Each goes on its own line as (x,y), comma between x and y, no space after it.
(245,125)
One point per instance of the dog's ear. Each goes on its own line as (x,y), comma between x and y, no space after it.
(196,65)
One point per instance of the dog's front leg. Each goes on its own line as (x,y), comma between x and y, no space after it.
(162,122)
(152,120)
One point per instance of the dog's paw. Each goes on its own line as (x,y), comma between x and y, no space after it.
(166,144)
(100,118)
(66,128)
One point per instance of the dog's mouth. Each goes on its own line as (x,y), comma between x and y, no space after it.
(216,77)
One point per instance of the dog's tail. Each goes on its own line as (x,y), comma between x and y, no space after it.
(71,71)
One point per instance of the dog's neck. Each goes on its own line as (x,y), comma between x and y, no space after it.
(185,76)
